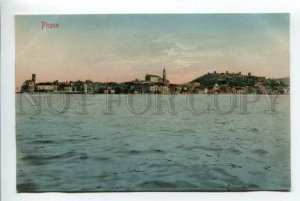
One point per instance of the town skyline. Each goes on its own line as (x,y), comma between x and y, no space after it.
(143,77)
(212,83)
(18,88)
(125,47)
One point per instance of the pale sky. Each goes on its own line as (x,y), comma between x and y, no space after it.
(124,47)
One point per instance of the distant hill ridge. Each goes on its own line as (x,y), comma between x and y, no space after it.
(285,80)
(238,79)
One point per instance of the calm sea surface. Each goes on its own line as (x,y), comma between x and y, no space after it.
(82,143)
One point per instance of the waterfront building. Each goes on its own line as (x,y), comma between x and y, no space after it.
(164,89)
(44,87)
(85,88)
(29,85)
(68,88)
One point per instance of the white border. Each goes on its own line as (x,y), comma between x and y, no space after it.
(11,7)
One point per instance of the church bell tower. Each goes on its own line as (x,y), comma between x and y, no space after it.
(164,76)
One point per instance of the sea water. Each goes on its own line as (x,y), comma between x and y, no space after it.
(152,142)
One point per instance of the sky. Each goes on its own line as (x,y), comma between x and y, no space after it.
(125,47)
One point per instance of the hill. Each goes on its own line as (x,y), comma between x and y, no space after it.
(238,80)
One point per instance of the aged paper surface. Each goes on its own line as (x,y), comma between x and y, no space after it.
(152,102)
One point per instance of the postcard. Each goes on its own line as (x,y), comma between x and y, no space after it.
(152,102)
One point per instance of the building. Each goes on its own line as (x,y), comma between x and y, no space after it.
(33,78)
(164,77)
(157,79)
(164,89)
(44,87)
(153,78)
(29,85)
(68,88)
(85,88)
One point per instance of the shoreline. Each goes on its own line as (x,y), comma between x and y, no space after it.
(153,93)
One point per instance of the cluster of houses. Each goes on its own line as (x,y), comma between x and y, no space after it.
(211,83)
(216,83)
